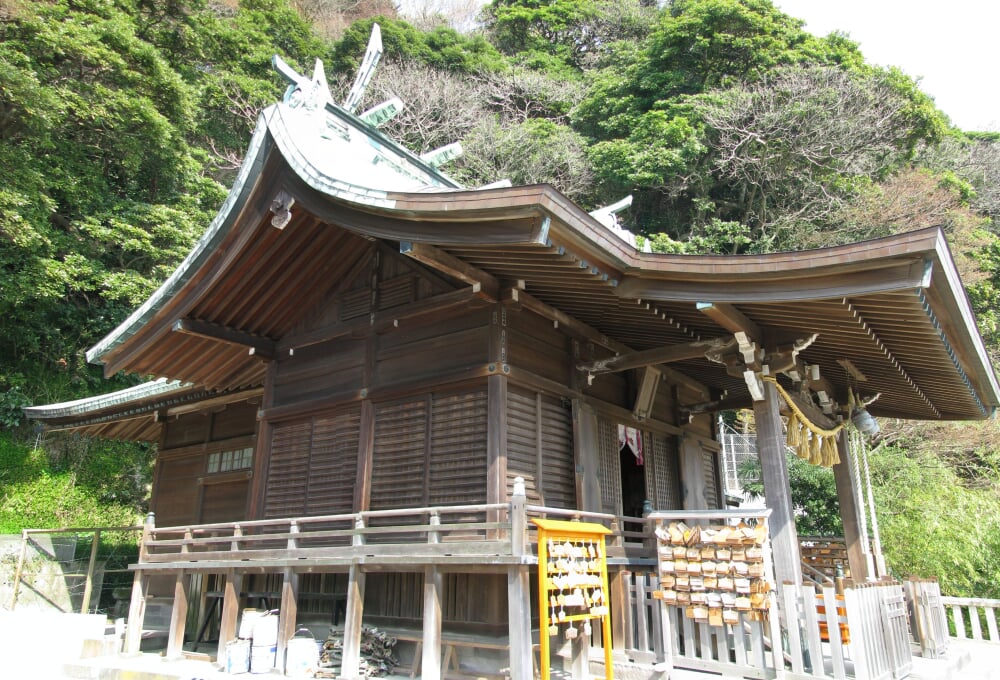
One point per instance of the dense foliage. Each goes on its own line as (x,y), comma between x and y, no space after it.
(121,122)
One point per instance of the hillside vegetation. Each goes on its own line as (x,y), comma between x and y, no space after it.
(122,122)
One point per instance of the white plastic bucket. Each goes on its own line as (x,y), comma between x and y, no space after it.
(238,656)
(301,655)
(247,622)
(265,630)
(262,658)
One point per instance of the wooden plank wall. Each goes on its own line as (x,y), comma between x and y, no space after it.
(540,447)
(430,449)
(183,491)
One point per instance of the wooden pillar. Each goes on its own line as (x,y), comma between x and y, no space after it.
(849,499)
(230,612)
(496,440)
(288,614)
(136,613)
(430,665)
(519,592)
(777,493)
(588,483)
(618,584)
(140,583)
(178,617)
(352,623)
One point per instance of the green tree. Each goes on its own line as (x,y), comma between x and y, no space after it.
(814,495)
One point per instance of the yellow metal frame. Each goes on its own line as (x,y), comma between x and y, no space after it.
(568,551)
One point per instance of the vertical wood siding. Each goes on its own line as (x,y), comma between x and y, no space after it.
(430,450)
(662,472)
(313,465)
(610,466)
(540,447)
(287,469)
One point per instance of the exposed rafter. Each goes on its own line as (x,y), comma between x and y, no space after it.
(657,355)
(262,347)
(730,318)
(860,320)
(489,287)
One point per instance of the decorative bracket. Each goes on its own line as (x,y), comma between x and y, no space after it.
(281,206)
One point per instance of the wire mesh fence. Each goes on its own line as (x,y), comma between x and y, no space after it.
(70,570)
(737,447)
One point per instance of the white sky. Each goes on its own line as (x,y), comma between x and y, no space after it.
(951,46)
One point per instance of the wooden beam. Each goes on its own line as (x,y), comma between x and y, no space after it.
(384,320)
(730,318)
(454,267)
(568,323)
(657,355)
(259,345)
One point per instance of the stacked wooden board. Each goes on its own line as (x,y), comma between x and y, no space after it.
(714,572)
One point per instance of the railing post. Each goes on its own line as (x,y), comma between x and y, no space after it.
(518,518)
(88,589)
(237,534)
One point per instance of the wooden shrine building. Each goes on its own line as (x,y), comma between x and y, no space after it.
(359,357)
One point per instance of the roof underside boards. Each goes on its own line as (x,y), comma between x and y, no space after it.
(892,307)
(128,414)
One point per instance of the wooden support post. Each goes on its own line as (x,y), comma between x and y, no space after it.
(848,497)
(496,443)
(519,591)
(88,589)
(230,612)
(178,617)
(288,614)
(137,605)
(585,438)
(618,583)
(352,623)
(519,623)
(136,613)
(777,493)
(430,666)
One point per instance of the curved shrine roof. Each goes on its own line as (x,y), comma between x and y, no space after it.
(893,309)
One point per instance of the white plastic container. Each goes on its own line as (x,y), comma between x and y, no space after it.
(301,655)
(238,656)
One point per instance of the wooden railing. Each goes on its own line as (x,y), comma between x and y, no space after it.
(862,633)
(466,533)
(968,616)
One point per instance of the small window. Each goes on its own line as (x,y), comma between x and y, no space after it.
(228,461)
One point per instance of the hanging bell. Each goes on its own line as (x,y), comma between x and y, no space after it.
(864,421)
